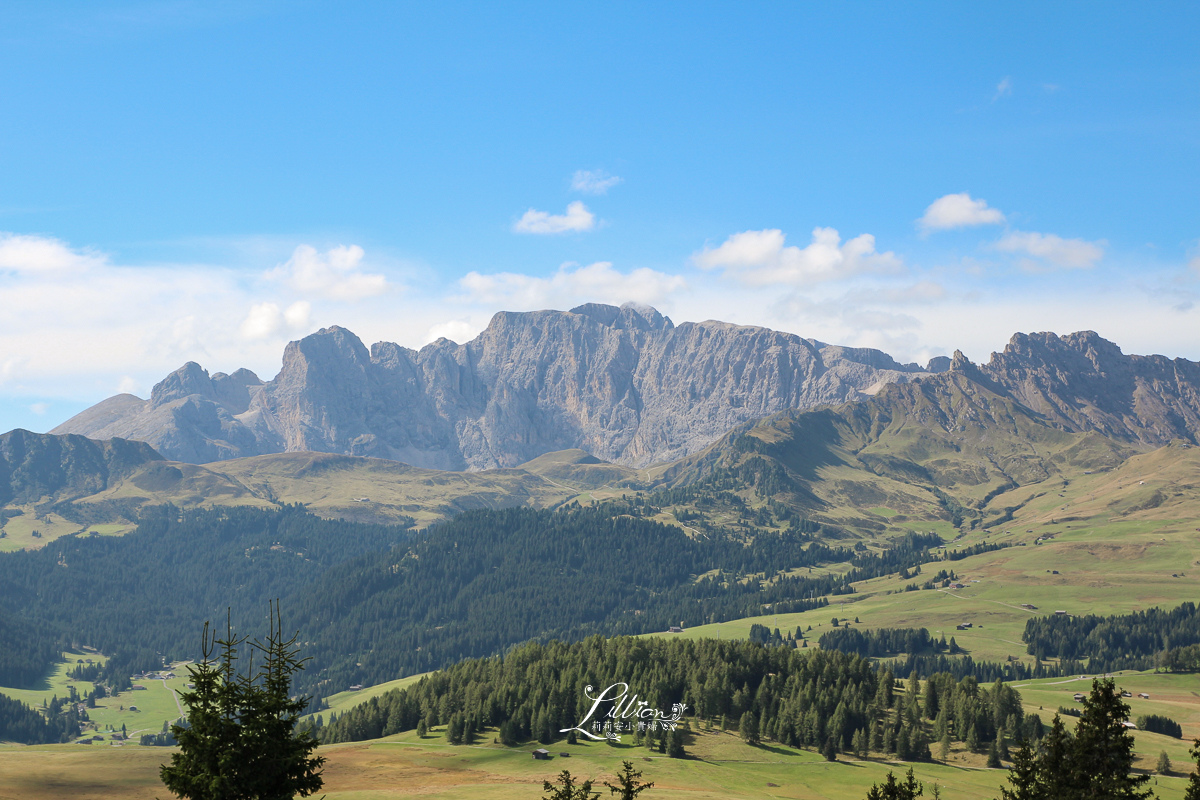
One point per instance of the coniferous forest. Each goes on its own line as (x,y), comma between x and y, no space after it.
(1140,640)
(378,602)
(817,699)
(469,587)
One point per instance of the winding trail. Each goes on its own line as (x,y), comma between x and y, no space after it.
(174,696)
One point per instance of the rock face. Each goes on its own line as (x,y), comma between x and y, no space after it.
(624,384)
(1081,382)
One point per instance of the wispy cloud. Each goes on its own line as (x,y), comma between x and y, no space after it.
(1051,250)
(1003,89)
(38,254)
(759,258)
(569,286)
(595,181)
(958,211)
(577,218)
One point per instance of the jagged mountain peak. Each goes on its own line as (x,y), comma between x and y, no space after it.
(1082,381)
(624,383)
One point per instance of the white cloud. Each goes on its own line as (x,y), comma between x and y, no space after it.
(40,408)
(334,274)
(266,320)
(456,330)
(1052,250)
(759,258)
(569,286)
(1195,264)
(75,325)
(593,181)
(38,254)
(577,218)
(298,315)
(1003,88)
(958,211)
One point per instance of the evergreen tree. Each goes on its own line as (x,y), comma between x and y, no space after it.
(675,743)
(276,758)
(1055,777)
(1164,763)
(1103,753)
(629,783)
(1193,784)
(567,789)
(1023,777)
(993,760)
(748,728)
(932,709)
(241,740)
(422,728)
(908,789)
(454,728)
(205,766)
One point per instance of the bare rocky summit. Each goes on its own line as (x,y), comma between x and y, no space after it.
(1083,382)
(624,384)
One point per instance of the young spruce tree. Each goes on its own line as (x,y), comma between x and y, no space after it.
(240,740)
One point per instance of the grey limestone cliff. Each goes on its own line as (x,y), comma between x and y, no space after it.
(624,384)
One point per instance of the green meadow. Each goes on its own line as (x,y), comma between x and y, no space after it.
(342,702)
(719,766)
(140,711)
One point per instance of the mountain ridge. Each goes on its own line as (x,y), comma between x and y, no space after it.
(626,384)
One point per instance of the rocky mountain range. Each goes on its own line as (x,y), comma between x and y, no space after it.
(624,384)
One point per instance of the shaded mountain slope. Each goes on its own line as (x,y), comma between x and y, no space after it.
(946,447)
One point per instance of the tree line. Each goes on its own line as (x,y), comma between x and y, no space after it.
(825,700)
(20,723)
(1120,641)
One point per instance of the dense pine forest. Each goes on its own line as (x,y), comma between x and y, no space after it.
(25,652)
(1141,640)
(20,723)
(145,595)
(825,700)
(470,587)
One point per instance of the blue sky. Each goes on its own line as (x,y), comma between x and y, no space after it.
(204,181)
